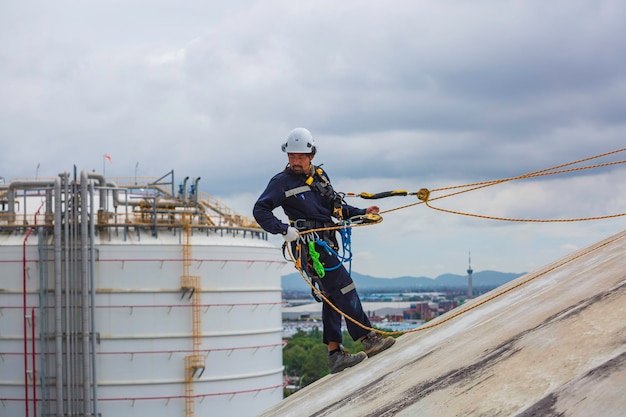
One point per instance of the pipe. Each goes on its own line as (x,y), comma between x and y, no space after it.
(196,191)
(72,307)
(49,209)
(184,196)
(92,267)
(43,308)
(58,299)
(23,185)
(70,293)
(24,308)
(32,315)
(84,277)
(103,184)
(67,326)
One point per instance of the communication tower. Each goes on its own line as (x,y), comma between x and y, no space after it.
(470,271)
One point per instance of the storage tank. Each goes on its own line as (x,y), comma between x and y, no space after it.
(134,301)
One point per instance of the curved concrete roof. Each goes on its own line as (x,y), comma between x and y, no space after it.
(550,343)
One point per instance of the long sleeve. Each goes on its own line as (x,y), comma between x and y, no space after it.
(271,198)
(350,211)
(298,200)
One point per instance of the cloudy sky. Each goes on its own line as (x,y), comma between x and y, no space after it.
(402,94)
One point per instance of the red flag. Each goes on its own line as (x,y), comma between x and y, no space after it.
(107,156)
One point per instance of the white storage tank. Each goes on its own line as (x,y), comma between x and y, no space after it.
(137,302)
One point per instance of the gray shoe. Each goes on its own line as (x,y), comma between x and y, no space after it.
(374,343)
(341,360)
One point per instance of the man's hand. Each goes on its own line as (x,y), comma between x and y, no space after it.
(291,235)
(372,210)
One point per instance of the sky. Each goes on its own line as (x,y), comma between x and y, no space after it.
(404,94)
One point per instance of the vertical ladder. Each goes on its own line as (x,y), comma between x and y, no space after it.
(190,286)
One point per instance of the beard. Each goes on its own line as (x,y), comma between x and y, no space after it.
(299,169)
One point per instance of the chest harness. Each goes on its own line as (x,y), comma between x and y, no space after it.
(319,183)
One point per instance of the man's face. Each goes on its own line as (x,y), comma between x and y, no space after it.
(300,162)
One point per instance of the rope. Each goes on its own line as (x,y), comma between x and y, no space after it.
(321,295)
(544,172)
(424,196)
(456,313)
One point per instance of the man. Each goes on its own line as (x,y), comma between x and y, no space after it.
(306,196)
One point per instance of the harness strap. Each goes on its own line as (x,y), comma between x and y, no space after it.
(302,224)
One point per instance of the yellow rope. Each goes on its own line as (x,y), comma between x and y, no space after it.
(323,297)
(456,313)
(547,171)
(424,196)
(544,172)
(482,216)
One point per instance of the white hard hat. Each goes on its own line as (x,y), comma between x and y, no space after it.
(299,140)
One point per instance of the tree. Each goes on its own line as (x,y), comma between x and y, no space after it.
(315,365)
(306,355)
(294,356)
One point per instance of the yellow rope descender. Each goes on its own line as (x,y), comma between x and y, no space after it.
(423,194)
(369,218)
(384,194)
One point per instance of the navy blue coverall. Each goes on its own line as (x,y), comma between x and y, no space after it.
(314,206)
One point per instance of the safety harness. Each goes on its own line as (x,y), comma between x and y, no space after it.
(308,261)
(319,182)
(304,249)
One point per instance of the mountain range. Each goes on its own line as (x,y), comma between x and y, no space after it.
(365,283)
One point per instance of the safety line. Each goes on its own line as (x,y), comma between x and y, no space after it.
(425,199)
(508,219)
(452,314)
(547,171)
(477,186)
(544,172)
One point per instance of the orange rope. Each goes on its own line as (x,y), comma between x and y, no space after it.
(424,196)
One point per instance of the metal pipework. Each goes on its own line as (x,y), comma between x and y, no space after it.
(195,194)
(84,286)
(25,185)
(58,297)
(184,196)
